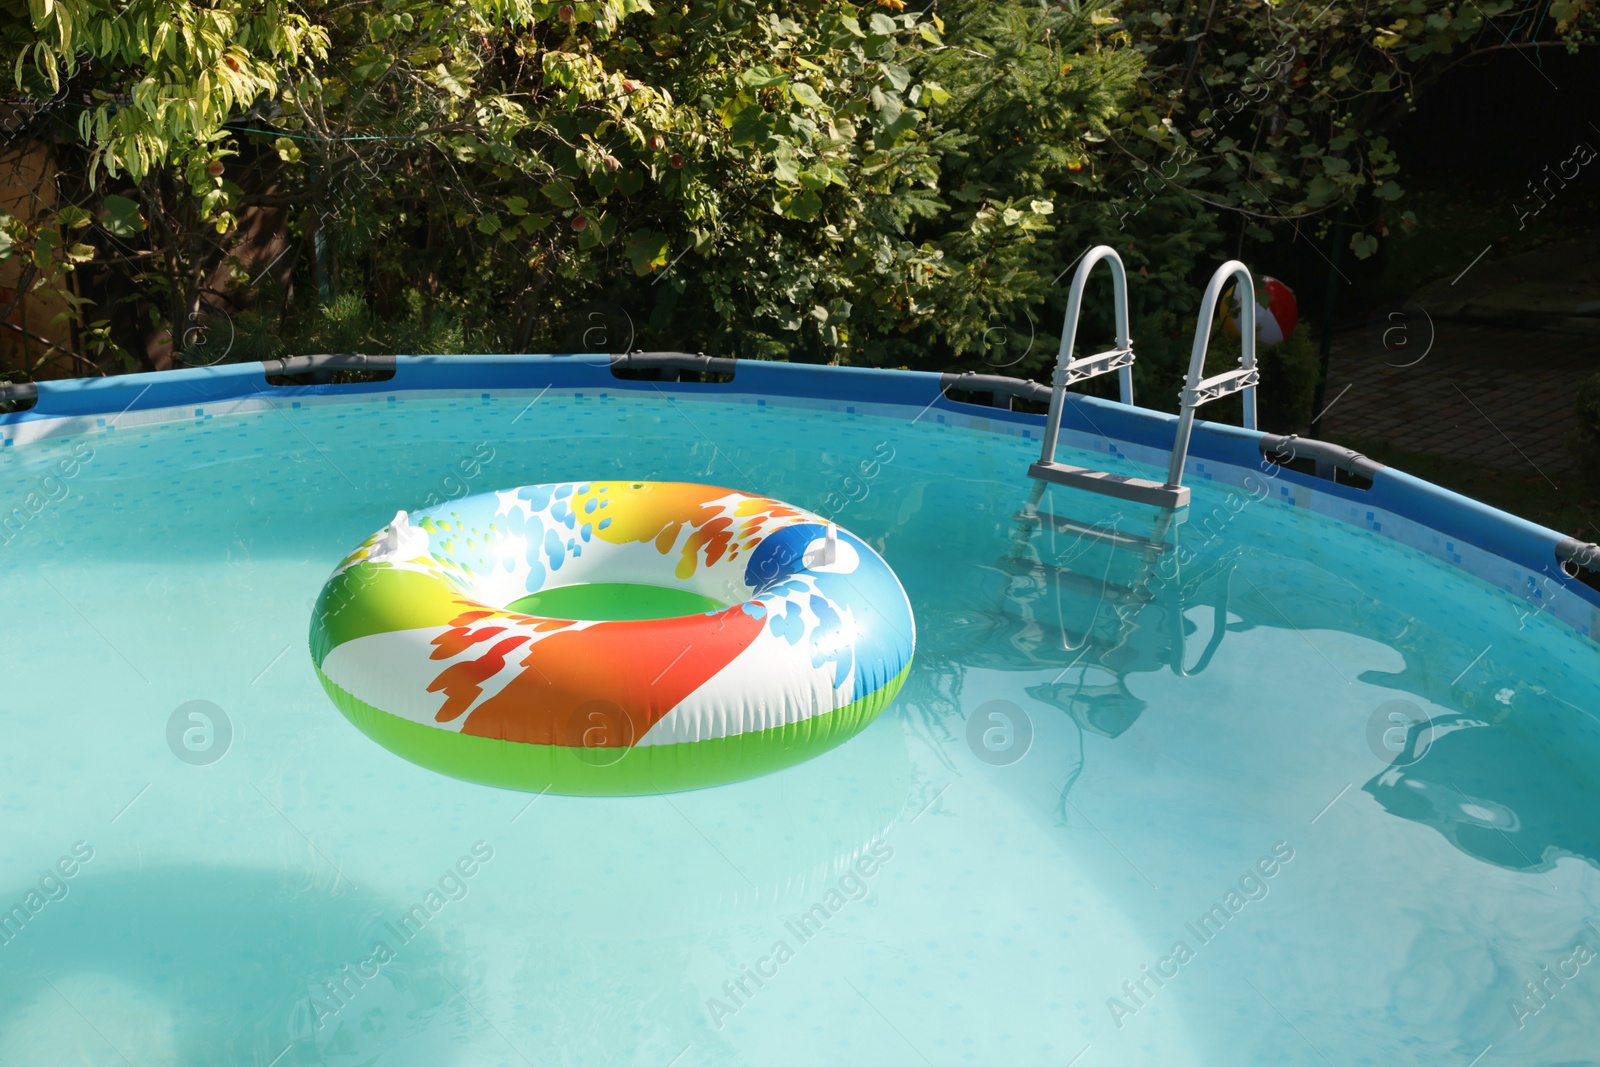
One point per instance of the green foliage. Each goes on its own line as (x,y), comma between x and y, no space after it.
(791,182)
(824,180)
(348,324)
(1277,113)
(184,69)
(120,216)
(1289,372)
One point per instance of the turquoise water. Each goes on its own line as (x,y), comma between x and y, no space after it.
(990,874)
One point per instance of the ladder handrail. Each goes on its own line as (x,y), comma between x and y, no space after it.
(1065,364)
(1242,380)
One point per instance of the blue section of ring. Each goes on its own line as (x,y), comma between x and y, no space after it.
(1521,542)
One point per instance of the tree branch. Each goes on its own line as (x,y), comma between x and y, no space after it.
(50,345)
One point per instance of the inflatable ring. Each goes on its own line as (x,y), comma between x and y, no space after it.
(611,638)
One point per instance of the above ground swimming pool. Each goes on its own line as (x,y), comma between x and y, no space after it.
(1309,778)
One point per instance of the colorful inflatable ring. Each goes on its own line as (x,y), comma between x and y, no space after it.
(610,638)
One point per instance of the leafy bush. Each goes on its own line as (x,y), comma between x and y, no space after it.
(792,182)
(821,180)
(1289,373)
(1277,114)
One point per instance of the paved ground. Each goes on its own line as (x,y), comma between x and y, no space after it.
(1493,395)
(1557,283)
(1481,368)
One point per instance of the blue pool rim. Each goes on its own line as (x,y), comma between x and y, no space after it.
(1512,553)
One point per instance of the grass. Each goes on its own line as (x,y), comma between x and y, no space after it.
(1566,506)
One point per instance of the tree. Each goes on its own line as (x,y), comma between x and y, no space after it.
(742,179)
(821,180)
(1277,115)
(150,85)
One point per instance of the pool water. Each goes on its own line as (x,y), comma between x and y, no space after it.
(1296,795)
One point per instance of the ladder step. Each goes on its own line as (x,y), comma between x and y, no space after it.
(1072,579)
(1105,534)
(1138,490)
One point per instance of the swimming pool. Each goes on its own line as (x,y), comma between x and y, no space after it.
(1308,779)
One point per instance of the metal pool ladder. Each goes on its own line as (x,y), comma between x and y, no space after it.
(1196,391)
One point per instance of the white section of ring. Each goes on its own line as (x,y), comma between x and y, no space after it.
(392,671)
(770,683)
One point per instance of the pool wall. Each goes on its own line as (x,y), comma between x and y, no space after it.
(1510,553)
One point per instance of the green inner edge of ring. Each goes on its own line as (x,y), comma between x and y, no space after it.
(614,601)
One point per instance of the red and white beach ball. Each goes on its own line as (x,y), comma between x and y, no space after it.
(1276,312)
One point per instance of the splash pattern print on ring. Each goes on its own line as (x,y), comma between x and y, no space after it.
(441,639)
